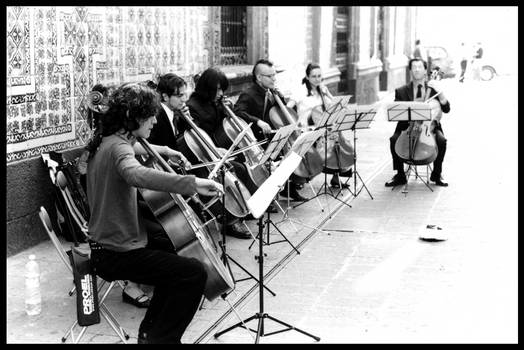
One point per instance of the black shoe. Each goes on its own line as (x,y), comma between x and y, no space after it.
(238,230)
(334,184)
(335,181)
(249,217)
(437,179)
(136,302)
(294,195)
(271,209)
(397,180)
(142,338)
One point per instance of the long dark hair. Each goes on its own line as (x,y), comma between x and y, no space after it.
(207,83)
(129,105)
(305,80)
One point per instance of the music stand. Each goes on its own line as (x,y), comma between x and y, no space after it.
(258,204)
(218,168)
(357,117)
(410,111)
(327,120)
(272,151)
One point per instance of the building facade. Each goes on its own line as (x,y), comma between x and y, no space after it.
(56,54)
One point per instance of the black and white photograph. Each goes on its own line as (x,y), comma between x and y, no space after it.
(261,174)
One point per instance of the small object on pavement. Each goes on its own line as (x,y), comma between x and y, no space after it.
(433,233)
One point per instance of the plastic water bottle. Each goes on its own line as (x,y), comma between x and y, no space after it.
(33,298)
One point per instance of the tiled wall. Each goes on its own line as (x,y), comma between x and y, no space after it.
(56,54)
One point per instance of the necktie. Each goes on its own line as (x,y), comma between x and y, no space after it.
(419,91)
(270,97)
(267,101)
(175,129)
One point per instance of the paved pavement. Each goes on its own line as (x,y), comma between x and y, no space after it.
(362,275)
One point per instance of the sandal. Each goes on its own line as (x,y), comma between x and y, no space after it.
(136,302)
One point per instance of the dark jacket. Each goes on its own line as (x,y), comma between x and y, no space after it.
(209,116)
(162,132)
(250,106)
(405,93)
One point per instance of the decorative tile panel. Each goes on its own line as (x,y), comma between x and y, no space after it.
(56,54)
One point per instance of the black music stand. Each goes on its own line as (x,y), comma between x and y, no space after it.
(410,111)
(357,117)
(327,121)
(258,205)
(219,169)
(272,151)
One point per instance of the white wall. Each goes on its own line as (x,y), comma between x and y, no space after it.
(287,44)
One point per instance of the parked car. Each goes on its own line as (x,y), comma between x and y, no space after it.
(490,67)
(438,57)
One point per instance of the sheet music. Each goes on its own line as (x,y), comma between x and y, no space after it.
(260,200)
(398,110)
(361,115)
(343,100)
(278,142)
(305,141)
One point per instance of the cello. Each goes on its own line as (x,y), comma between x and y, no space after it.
(312,163)
(189,235)
(417,144)
(232,126)
(203,148)
(338,152)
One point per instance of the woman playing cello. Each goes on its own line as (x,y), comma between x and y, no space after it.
(309,107)
(119,246)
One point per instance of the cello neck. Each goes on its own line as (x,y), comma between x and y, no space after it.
(155,155)
(322,98)
(235,120)
(166,167)
(211,150)
(283,108)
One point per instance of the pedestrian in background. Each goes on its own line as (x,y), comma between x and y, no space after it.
(464,57)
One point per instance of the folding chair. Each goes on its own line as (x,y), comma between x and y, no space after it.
(412,170)
(104,310)
(63,185)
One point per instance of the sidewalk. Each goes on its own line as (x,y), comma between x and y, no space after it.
(365,277)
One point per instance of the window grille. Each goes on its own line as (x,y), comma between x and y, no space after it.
(233,48)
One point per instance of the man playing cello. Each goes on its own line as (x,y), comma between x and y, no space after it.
(415,91)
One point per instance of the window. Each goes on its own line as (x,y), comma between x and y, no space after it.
(233,48)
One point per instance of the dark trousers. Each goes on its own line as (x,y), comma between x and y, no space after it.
(179,284)
(441,141)
(463,65)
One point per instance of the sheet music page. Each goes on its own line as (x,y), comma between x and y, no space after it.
(398,110)
(305,141)
(278,141)
(260,200)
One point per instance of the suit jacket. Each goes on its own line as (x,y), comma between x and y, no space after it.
(162,132)
(405,93)
(250,107)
